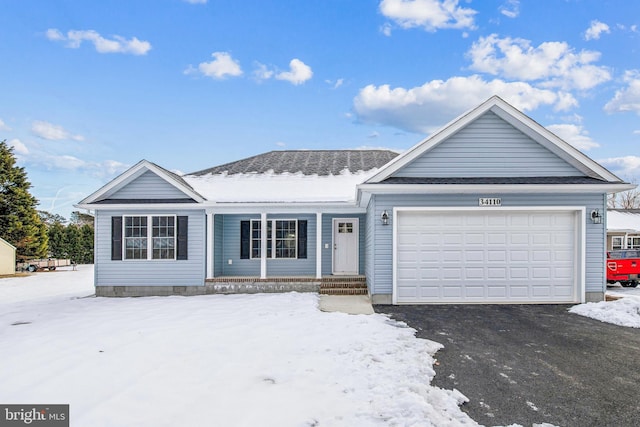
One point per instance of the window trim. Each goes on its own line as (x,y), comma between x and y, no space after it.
(149,238)
(613,245)
(271,239)
(630,245)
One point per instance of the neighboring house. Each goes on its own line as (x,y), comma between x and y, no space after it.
(623,229)
(493,208)
(7,257)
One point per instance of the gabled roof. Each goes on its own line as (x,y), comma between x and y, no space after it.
(518,120)
(306,162)
(4,242)
(136,171)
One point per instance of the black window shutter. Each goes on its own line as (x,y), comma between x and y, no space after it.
(302,239)
(116,238)
(245,239)
(182,243)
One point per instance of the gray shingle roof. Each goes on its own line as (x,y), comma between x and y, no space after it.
(307,162)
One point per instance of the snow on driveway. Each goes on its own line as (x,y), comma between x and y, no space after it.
(235,360)
(623,312)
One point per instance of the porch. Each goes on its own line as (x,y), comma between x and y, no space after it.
(326,285)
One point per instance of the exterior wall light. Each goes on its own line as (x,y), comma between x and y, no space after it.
(385,217)
(596,217)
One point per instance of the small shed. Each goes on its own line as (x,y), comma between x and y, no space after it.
(623,229)
(7,257)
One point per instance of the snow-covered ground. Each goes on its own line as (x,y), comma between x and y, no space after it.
(237,360)
(623,312)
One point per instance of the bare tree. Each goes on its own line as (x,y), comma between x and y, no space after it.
(629,199)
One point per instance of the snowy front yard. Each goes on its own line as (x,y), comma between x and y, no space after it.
(241,360)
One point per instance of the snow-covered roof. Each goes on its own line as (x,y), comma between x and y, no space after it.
(271,187)
(291,176)
(623,221)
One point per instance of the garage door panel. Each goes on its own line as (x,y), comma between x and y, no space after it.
(494,291)
(474,273)
(430,291)
(512,256)
(518,273)
(541,256)
(472,256)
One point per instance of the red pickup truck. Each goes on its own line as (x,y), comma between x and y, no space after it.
(623,266)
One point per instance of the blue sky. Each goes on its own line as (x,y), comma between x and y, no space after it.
(90,88)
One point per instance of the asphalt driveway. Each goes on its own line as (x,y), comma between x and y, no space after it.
(531,364)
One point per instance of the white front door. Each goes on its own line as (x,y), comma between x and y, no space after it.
(345,246)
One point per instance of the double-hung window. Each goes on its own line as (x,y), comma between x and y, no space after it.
(633,242)
(617,242)
(282,238)
(149,237)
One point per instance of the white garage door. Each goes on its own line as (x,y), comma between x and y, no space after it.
(486,257)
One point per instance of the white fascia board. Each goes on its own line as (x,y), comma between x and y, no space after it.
(110,187)
(552,142)
(492,188)
(432,140)
(297,208)
(234,208)
(172,181)
(131,174)
(621,230)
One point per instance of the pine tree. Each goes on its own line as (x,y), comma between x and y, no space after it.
(87,232)
(20,223)
(57,241)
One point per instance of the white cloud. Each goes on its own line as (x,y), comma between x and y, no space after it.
(431,15)
(424,108)
(222,66)
(551,64)
(511,8)
(623,166)
(628,98)
(262,72)
(298,73)
(4,126)
(386,29)
(636,132)
(66,162)
(595,30)
(46,130)
(117,44)
(335,84)
(19,147)
(574,135)
(281,144)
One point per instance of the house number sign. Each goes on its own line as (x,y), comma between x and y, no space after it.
(489,201)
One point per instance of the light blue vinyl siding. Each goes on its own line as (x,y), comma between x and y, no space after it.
(149,186)
(251,267)
(488,147)
(188,272)
(380,238)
